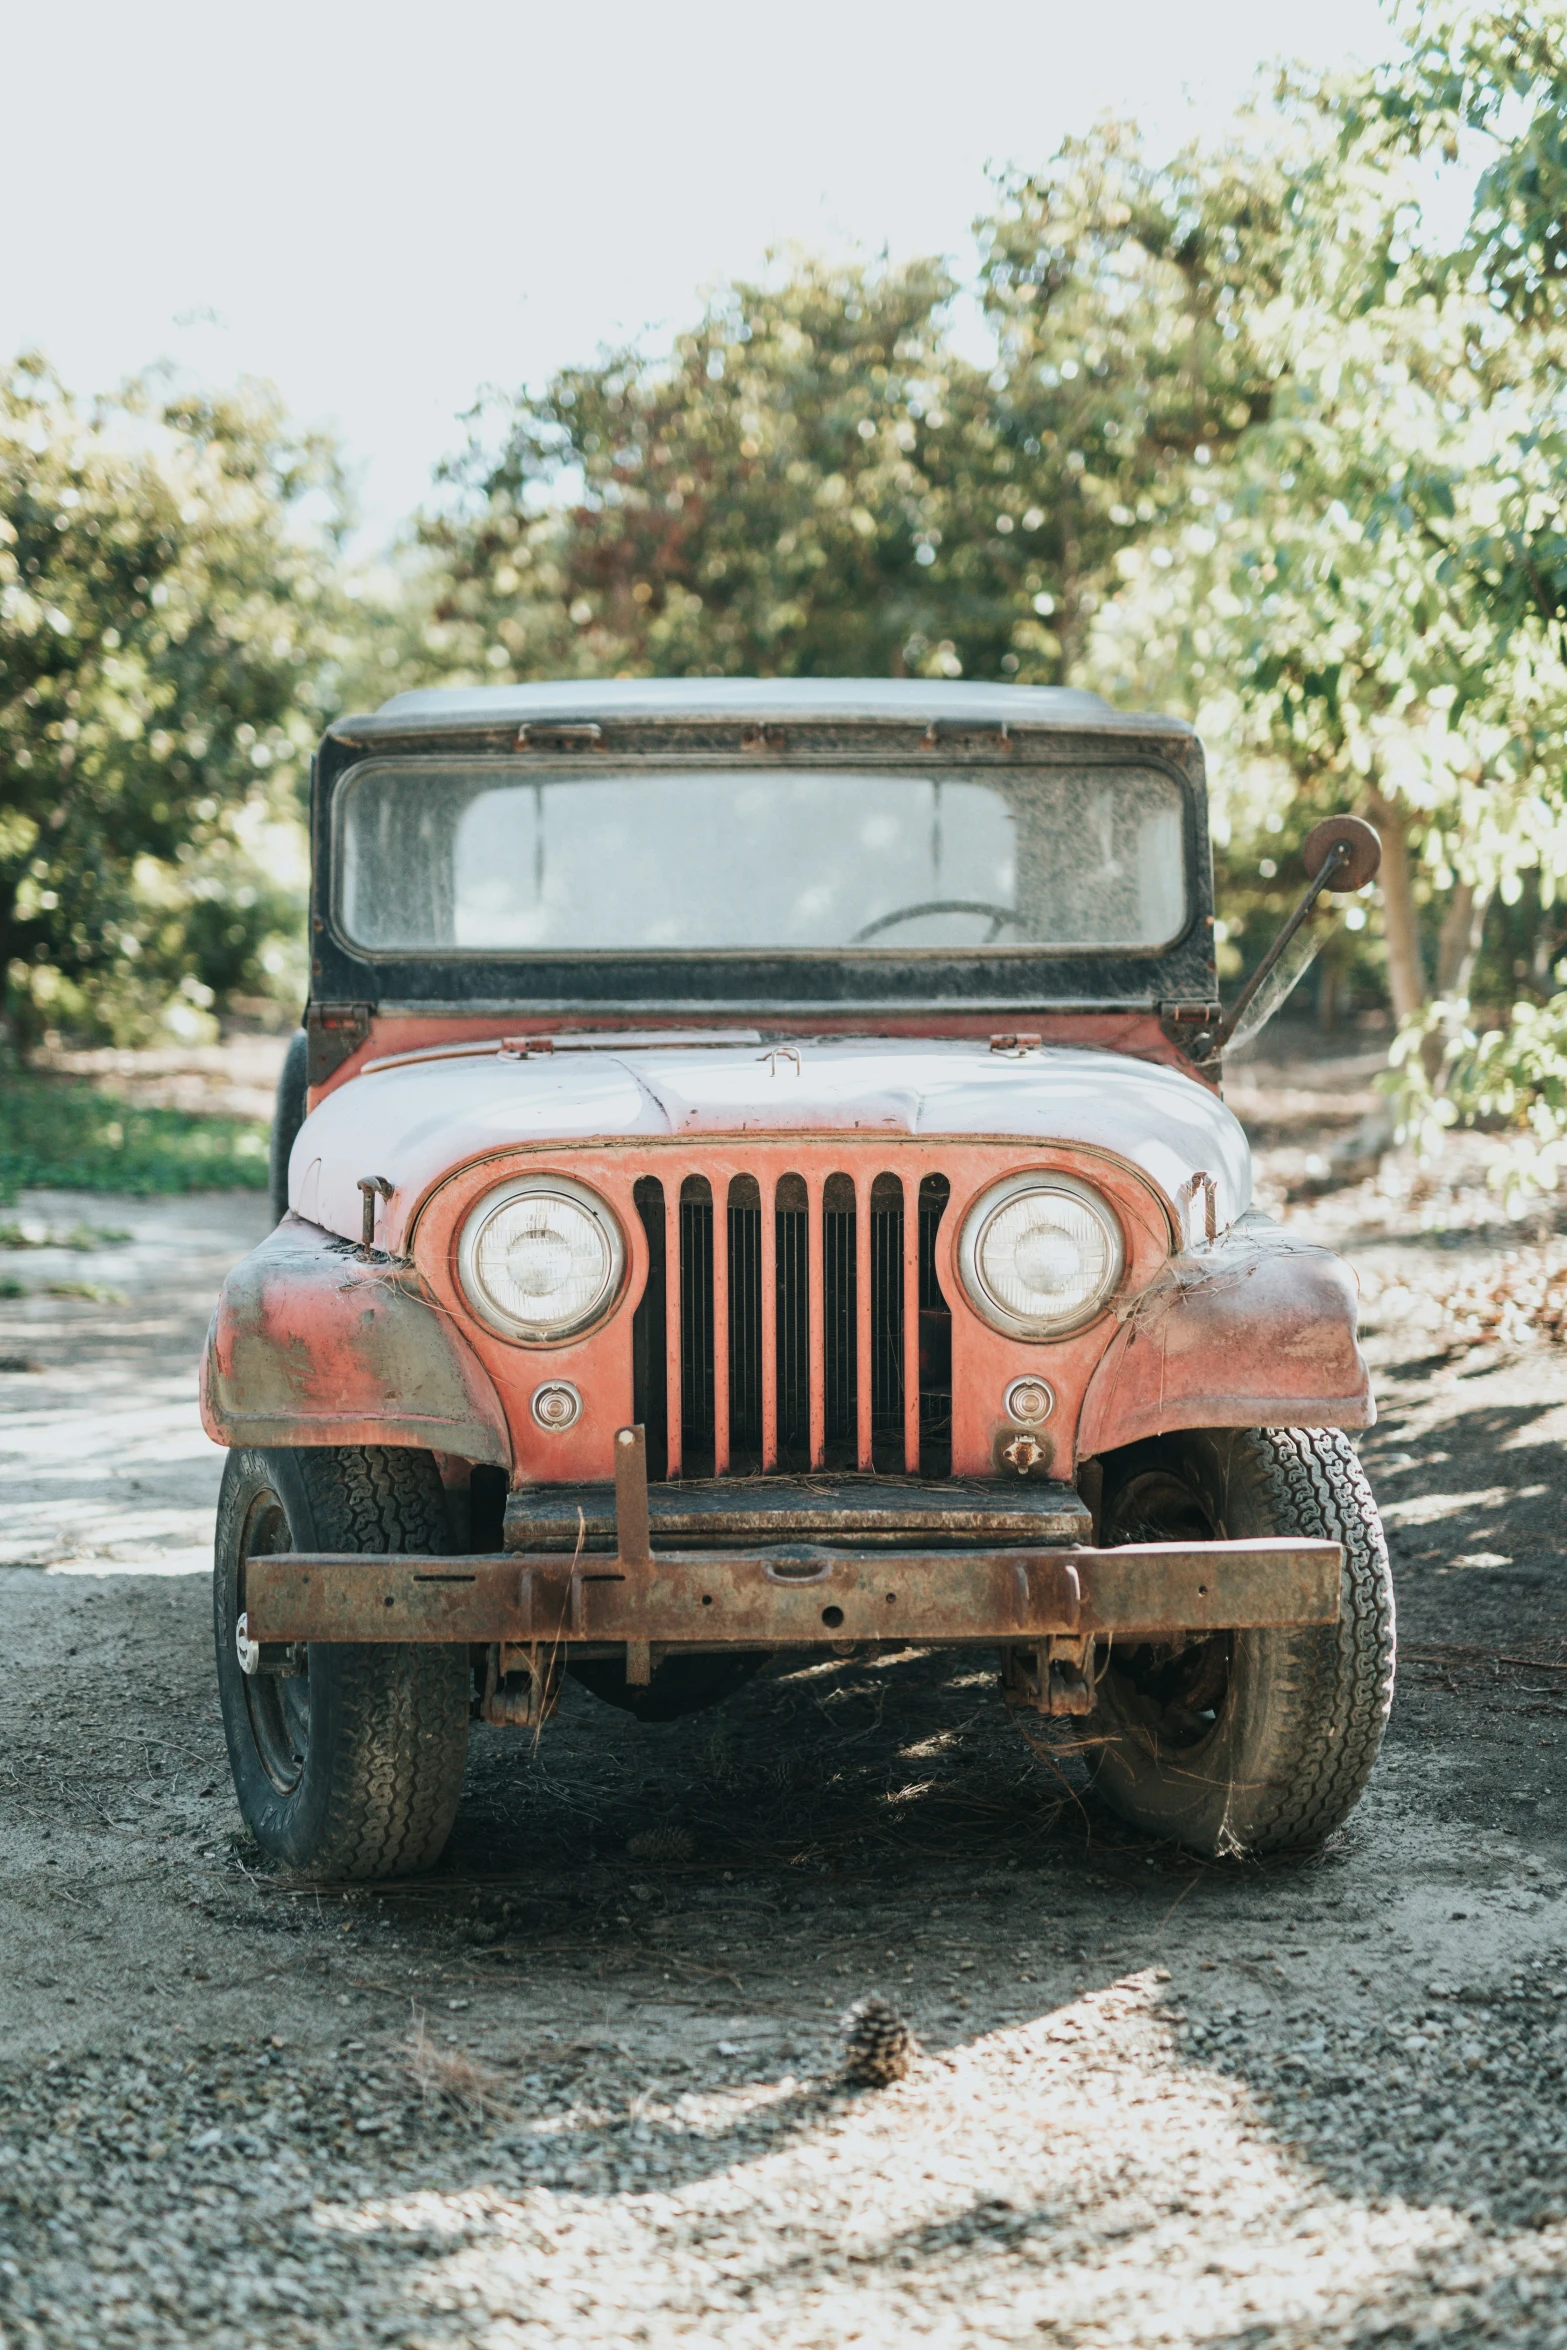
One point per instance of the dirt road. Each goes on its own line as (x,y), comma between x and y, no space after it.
(569,2091)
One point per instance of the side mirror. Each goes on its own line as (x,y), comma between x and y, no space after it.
(1342,853)
(1354,845)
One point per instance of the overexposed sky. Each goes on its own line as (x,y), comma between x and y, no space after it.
(383,208)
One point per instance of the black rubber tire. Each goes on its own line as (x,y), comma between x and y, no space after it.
(288,1115)
(354,1769)
(680,1685)
(1276,1751)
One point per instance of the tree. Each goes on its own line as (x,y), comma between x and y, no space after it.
(1377,607)
(779,498)
(165,621)
(1252,446)
(1489,84)
(1121,296)
(815,483)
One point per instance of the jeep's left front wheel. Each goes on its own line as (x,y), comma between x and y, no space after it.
(1247,1742)
(350,1765)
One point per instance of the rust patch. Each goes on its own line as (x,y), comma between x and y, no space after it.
(799,1596)
(312,1346)
(1257,1331)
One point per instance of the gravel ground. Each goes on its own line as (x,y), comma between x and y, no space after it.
(565,2091)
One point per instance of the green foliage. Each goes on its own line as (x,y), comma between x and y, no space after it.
(75,1236)
(815,483)
(1121,296)
(59,1134)
(1252,445)
(166,629)
(788,495)
(1510,1081)
(1494,74)
(1375,602)
(1251,448)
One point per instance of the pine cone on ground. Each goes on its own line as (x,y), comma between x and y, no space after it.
(878,2045)
(667,1843)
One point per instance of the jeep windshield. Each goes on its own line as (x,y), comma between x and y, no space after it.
(438,856)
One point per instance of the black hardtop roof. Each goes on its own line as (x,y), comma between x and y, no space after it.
(799,701)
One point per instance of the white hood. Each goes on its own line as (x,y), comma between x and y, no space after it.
(415,1121)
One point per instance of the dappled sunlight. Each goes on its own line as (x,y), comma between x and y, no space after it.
(1424,1509)
(922,1749)
(914,1791)
(1073,2174)
(579,2084)
(162,1562)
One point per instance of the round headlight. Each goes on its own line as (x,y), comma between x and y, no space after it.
(1039,1255)
(540,1258)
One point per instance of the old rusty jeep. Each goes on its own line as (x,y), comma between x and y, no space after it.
(754,1182)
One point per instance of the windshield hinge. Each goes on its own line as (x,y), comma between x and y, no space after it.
(1192,1028)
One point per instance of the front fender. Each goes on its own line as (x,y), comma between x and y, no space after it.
(1256,1332)
(313,1344)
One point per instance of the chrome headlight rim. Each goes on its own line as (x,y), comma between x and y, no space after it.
(489,1311)
(976,1223)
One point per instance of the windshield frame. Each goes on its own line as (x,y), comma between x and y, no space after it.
(726,980)
(544,770)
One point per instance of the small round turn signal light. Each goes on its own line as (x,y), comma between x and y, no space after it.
(1030,1401)
(557,1405)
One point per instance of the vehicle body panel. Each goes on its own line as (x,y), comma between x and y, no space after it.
(968,1066)
(1256,1332)
(414,1124)
(310,1344)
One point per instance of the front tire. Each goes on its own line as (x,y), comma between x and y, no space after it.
(353,1767)
(1248,1742)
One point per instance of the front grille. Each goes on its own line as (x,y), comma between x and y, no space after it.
(775,1333)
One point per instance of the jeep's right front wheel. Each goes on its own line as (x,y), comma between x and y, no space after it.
(1247,1742)
(352,1764)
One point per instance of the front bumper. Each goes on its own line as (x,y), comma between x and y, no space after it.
(794,1595)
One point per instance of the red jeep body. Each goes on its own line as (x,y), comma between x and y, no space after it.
(805,1406)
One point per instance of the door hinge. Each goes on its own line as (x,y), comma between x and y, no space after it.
(333,1033)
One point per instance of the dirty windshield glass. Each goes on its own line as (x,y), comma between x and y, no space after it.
(436,856)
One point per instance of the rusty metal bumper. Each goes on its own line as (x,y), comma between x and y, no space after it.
(794,1596)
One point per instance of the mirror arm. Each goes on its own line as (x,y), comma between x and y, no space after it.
(1336,859)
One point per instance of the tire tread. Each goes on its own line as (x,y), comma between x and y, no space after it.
(1342,1690)
(389,1723)
(1286,1766)
(392,1796)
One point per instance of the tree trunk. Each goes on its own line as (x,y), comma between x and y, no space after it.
(1458,941)
(1068,612)
(1327,991)
(1405,972)
(8,946)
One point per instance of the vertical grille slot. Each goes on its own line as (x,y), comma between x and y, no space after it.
(935,1338)
(805,1328)
(649,1348)
(696,1326)
(838,1296)
(745,1323)
(886,1302)
(791,1290)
